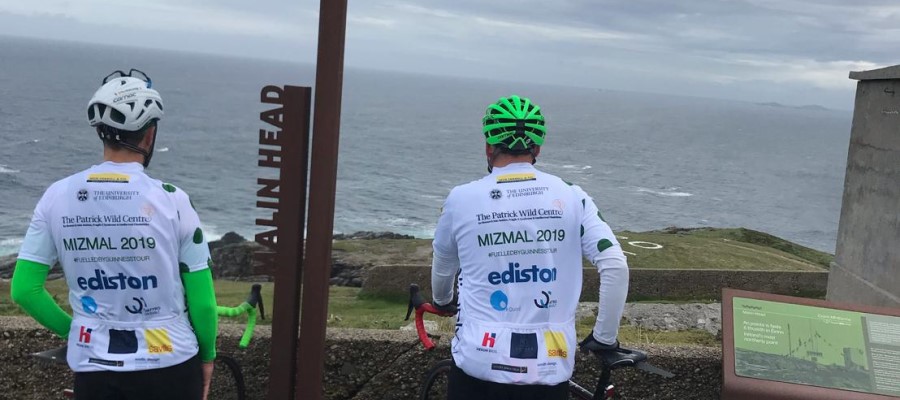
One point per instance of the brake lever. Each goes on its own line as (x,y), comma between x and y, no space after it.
(255,299)
(413,291)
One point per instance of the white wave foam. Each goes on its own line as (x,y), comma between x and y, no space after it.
(5,170)
(666,194)
(10,245)
(210,232)
(163,150)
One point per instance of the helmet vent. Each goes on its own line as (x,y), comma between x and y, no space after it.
(131,104)
(148,102)
(139,114)
(91,113)
(158,104)
(101,108)
(117,116)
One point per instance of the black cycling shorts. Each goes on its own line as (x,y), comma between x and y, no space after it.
(465,387)
(178,382)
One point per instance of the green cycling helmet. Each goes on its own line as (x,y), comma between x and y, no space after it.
(514,123)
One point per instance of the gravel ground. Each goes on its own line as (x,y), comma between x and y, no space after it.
(359,365)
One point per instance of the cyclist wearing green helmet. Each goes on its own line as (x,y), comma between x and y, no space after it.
(516,238)
(514,126)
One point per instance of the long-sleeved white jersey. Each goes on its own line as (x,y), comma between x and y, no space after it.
(517,238)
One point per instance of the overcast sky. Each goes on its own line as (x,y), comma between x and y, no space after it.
(790,51)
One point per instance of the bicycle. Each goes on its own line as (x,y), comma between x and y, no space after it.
(228,377)
(435,383)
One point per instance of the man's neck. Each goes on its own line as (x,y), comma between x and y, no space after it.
(121,156)
(507,159)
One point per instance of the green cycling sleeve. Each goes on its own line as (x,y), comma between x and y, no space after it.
(201,304)
(27,290)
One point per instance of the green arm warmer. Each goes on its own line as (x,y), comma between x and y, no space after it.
(27,290)
(201,303)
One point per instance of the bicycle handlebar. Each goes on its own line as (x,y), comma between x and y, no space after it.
(416,302)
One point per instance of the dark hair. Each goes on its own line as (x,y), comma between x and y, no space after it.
(108,135)
(502,149)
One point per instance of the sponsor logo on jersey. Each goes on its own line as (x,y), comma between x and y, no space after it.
(523,346)
(490,338)
(544,301)
(105,220)
(509,178)
(509,368)
(496,194)
(488,342)
(88,304)
(158,341)
(114,195)
(547,368)
(82,195)
(102,281)
(525,192)
(515,274)
(500,302)
(84,335)
(555,343)
(108,363)
(122,342)
(526,214)
(108,177)
(139,306)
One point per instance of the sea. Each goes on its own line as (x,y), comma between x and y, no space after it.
(649,160)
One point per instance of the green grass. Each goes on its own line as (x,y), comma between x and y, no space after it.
(705,248)
(633,335)
(346,309)
(700,248)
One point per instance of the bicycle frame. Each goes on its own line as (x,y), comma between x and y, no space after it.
(610,361)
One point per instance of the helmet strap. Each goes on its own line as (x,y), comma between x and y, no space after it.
(136,149)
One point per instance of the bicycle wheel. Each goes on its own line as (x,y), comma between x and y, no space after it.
(227,380)
(434,387)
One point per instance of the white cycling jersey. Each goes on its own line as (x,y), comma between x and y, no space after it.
(122,239)
(517,237)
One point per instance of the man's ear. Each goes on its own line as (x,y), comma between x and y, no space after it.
(147,141)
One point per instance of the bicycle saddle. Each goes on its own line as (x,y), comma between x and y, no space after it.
(57,355)
(621,357)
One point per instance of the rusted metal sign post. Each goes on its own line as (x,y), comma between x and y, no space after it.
(284,144)
(323,176)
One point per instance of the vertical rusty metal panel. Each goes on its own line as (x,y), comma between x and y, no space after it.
(323,176)
(289,220)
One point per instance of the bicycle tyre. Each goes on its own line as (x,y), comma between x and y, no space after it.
(228,380)
(437,374)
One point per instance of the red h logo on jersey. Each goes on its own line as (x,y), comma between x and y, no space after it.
(85,335)
(489,339)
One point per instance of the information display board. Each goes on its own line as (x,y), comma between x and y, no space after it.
(797,348)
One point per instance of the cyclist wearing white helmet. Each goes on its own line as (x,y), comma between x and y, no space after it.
(134,258)
(516,238)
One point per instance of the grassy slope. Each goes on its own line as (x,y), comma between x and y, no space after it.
(347,310)
(703,248)
(698,248)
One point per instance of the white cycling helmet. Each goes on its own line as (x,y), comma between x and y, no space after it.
(125,102)
(123,108)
